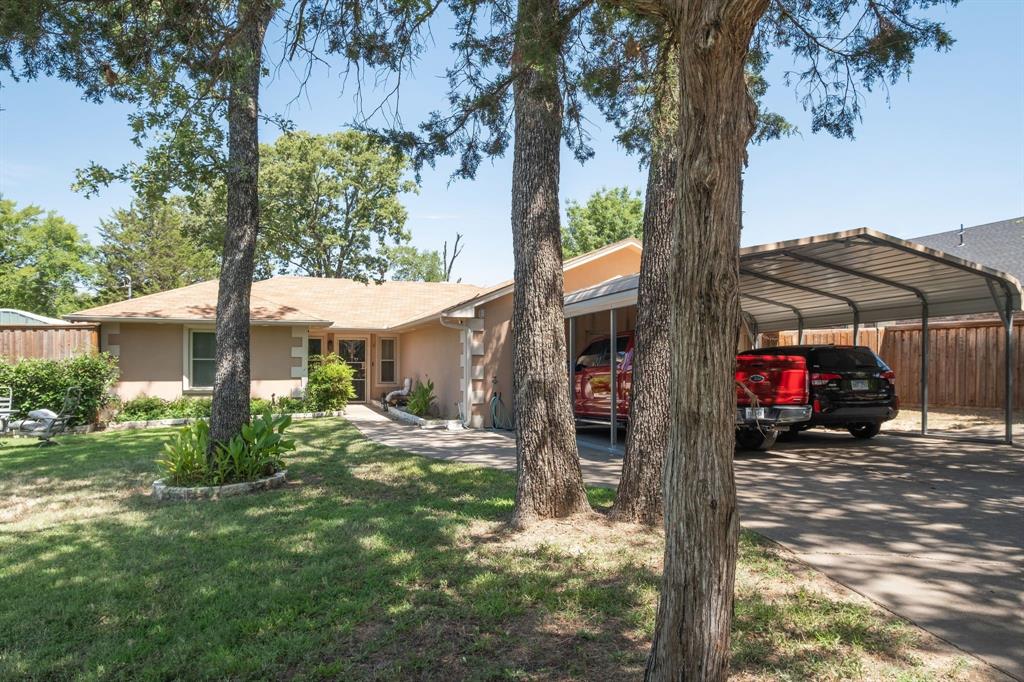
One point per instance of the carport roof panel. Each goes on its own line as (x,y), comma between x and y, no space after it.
(823,279)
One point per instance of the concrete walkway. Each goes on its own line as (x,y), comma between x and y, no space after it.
(932,530)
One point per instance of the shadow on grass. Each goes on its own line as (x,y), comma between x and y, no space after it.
(368,566)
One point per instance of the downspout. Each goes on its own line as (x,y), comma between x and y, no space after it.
(467,368)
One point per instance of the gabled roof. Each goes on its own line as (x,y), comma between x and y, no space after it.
(354,305)
(506,287)
(321,302)
(195,303)
(837,278)
(998,245)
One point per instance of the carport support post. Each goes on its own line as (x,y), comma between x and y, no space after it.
(800,332)
(1008,361)
(856,326)
(571,348)
(614,379)
(924,368)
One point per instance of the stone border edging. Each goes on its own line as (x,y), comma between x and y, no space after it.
(162,491)
(409,418)
(160,423)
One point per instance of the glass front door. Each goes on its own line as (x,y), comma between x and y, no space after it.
(353,352)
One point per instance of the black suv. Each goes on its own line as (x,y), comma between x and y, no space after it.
(849,386)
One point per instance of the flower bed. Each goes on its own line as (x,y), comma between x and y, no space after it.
(163,491)
(164,423)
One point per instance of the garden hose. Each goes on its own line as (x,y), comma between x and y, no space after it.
(501,418)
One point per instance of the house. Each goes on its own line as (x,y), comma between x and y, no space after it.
(456,335)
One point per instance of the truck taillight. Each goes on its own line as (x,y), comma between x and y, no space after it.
(890,376)
(822,378)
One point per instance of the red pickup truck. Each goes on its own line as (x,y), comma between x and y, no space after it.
(772,391)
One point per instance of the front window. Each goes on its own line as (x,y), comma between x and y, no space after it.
(388,361)
(202,360)
(314,352)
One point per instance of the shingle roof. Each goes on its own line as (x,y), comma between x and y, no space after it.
(999,245)
(354,305)
(341,303)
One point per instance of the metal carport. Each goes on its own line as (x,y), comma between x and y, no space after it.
(853,277)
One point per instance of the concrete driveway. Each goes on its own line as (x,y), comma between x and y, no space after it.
(932,530)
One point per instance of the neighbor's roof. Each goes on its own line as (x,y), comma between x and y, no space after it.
(828,279)
(24,317)
(999,245)
(341,303)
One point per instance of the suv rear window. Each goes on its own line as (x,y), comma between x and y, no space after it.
(845,359)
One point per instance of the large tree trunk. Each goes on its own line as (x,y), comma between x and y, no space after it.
(550,482)
(231,384)
(691,638)
(638,497)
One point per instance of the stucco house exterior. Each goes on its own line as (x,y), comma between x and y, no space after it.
(457,335)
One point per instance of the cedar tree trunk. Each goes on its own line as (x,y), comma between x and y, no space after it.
(550,482)
(231,386)
(638,497)
(716,119)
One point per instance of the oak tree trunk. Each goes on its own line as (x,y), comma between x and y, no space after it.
(691,638)
(638,497)
(550,482)
(230,409)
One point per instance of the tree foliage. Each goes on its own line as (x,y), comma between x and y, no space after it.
(149,242)
(45,262)
(410,264)
(609,215)
(330,206)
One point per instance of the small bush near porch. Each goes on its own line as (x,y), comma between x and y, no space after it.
(372,564)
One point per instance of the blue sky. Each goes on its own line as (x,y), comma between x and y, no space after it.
(947,147)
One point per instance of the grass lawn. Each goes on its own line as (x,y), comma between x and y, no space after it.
(373,564)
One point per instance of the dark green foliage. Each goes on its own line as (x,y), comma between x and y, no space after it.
(42,384)
(330,384)
(255,453)
(150,243)
(421,398)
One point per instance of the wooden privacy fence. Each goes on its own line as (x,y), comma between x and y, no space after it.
(965,362)
(50,342)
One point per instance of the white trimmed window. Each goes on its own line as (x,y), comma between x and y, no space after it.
(388,360)
(202,362)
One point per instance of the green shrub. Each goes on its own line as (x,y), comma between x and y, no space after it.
(189,407)
(330,384)
(260,405)
(255,453)
(289,405)
(142,408)
(184,461)
(42,384)
(421,398)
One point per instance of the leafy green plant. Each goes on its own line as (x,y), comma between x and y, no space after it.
(289,405)
(330,384)
(184,461)
(421,398)
(42,384)
(258,451)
